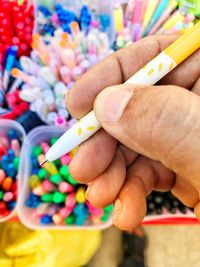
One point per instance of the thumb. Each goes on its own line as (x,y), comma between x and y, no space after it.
(160,122)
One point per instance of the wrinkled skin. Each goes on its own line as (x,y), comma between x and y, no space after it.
(151,134)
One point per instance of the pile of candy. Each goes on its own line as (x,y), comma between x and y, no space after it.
(163,203)
(10,145)
(55,197)
(16,26)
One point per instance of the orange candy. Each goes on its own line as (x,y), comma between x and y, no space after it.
(7,184)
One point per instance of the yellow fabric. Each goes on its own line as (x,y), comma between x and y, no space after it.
(21,247)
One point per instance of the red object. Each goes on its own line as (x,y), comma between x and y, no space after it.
(9,116)
(15,22)
(2,207)
(24,106)
(14,187)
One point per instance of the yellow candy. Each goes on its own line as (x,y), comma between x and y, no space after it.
(34,181)
(80,195)
(48,166)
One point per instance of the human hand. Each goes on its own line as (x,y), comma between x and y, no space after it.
(161,123)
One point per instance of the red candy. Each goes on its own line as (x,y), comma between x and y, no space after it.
(15,23)
(2,207)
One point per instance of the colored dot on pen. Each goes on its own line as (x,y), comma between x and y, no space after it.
(79,131)
(90,128)
(160,67)
(171,66)
(150,72)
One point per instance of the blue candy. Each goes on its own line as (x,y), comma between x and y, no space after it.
(11,205)
(4,161)
(12,134)
(10,170)
(11,155)
(46,219)
(34,162)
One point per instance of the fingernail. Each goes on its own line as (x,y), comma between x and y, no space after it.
(111,103)
(89,188)
(117,209)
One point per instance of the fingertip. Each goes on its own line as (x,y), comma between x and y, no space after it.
(104,189)
(130,207)
(93,157)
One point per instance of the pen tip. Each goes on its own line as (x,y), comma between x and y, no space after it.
(43,162)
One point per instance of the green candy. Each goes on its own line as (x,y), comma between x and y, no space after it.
(108,209)
(37,151)
(64,171)
(105,217)
(56,178)
(47,197)
(16,162)
(53,140)
(70,219)
(1,195)
(58,197)
(42,174)
(57,163)
(71,180)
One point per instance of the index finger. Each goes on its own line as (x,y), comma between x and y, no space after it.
(113,70)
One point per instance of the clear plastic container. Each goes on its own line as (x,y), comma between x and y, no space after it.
(35,137)
(6,126)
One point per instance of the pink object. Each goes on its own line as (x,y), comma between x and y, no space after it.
(45,147)
(54,18)
(8,196)
(70,201)
(189,18)
(161,20)
(65,187)
(2,176)
(138,10)
(65,160)
(137,16)
(15,145)
(48,186)
(65,212)
(60,121)
(97,212)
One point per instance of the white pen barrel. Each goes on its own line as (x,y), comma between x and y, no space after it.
(76,135)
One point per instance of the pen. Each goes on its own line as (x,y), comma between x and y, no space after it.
(149,12)
(10,59)
(172,5)
(177,16)
(158,12)
(151,73)
(137,16)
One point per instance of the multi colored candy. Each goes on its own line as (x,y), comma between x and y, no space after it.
(10,145)
(55,197)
